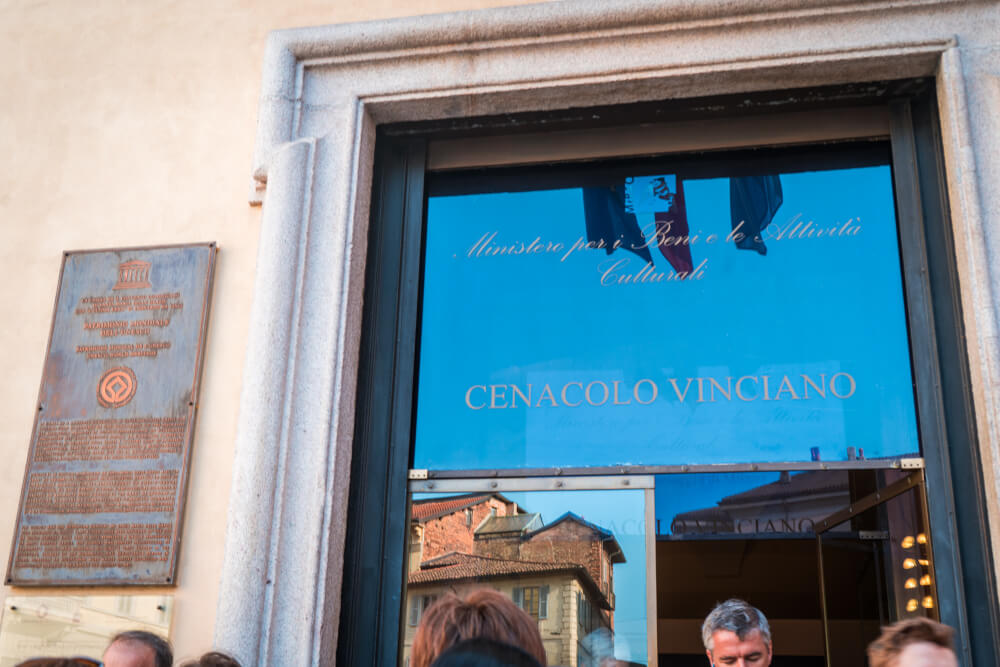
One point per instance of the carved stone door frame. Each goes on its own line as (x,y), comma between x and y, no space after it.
(326,90)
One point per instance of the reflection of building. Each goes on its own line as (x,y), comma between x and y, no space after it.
(789,505)
(75,625)
(561,573)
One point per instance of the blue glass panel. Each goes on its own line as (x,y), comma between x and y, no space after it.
(575,561)
(664,320)
(749,505)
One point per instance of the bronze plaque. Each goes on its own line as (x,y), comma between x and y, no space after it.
(103,494)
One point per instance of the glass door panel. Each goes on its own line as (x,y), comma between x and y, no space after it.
(575,559)
(876,565)
(754,303)
(746,535)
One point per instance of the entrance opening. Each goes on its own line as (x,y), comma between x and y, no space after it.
(779,576)
(700,318)
(829,557)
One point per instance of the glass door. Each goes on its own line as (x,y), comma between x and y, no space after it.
(574,553)
(875,564)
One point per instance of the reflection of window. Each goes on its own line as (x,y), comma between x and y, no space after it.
(418,605)
(584,613)
(533,599)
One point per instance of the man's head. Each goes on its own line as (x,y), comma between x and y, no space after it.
(736,634)
(917,642)
(137,648)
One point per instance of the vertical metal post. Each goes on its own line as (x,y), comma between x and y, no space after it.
(926,526)
(652,622)
(822,599)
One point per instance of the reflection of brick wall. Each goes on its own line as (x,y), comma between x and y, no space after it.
(567,542)
(453,532)
(499,547)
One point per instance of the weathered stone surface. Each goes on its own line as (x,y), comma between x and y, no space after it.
(325,88)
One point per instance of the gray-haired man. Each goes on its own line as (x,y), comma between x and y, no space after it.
(737,634)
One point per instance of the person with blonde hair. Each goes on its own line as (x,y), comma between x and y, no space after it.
(483,613)
(915,642)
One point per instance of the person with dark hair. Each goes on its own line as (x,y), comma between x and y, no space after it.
(212,659)
(738,634)
(483,652)
(483,613)
(915,642)
(138,648)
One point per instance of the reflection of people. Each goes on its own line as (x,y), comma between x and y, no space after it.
(736,633)
(484,653)
(137,648)
(916,642)
(482,613)
(600,647)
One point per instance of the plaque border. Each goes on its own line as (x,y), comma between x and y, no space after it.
(176,535)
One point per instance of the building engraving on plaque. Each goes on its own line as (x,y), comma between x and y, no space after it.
(106,477)
(133,275)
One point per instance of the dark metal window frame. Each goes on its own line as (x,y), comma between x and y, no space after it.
(375,550)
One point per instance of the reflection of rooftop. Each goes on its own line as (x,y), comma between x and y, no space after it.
(452,567)
(614,549)
(804,484)
(500,525)
(787,506)
(707,514)
(433,508)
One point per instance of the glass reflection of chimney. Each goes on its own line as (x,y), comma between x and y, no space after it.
(814,453)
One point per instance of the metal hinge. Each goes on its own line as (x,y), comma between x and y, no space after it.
(873,534)
(418,473)
(911,464)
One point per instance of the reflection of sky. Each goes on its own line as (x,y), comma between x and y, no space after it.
(810,306)
(620,512)
(683,493)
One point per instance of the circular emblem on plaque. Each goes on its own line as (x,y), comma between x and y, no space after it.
(116,387)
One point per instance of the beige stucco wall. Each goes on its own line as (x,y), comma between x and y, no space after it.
(121,124)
